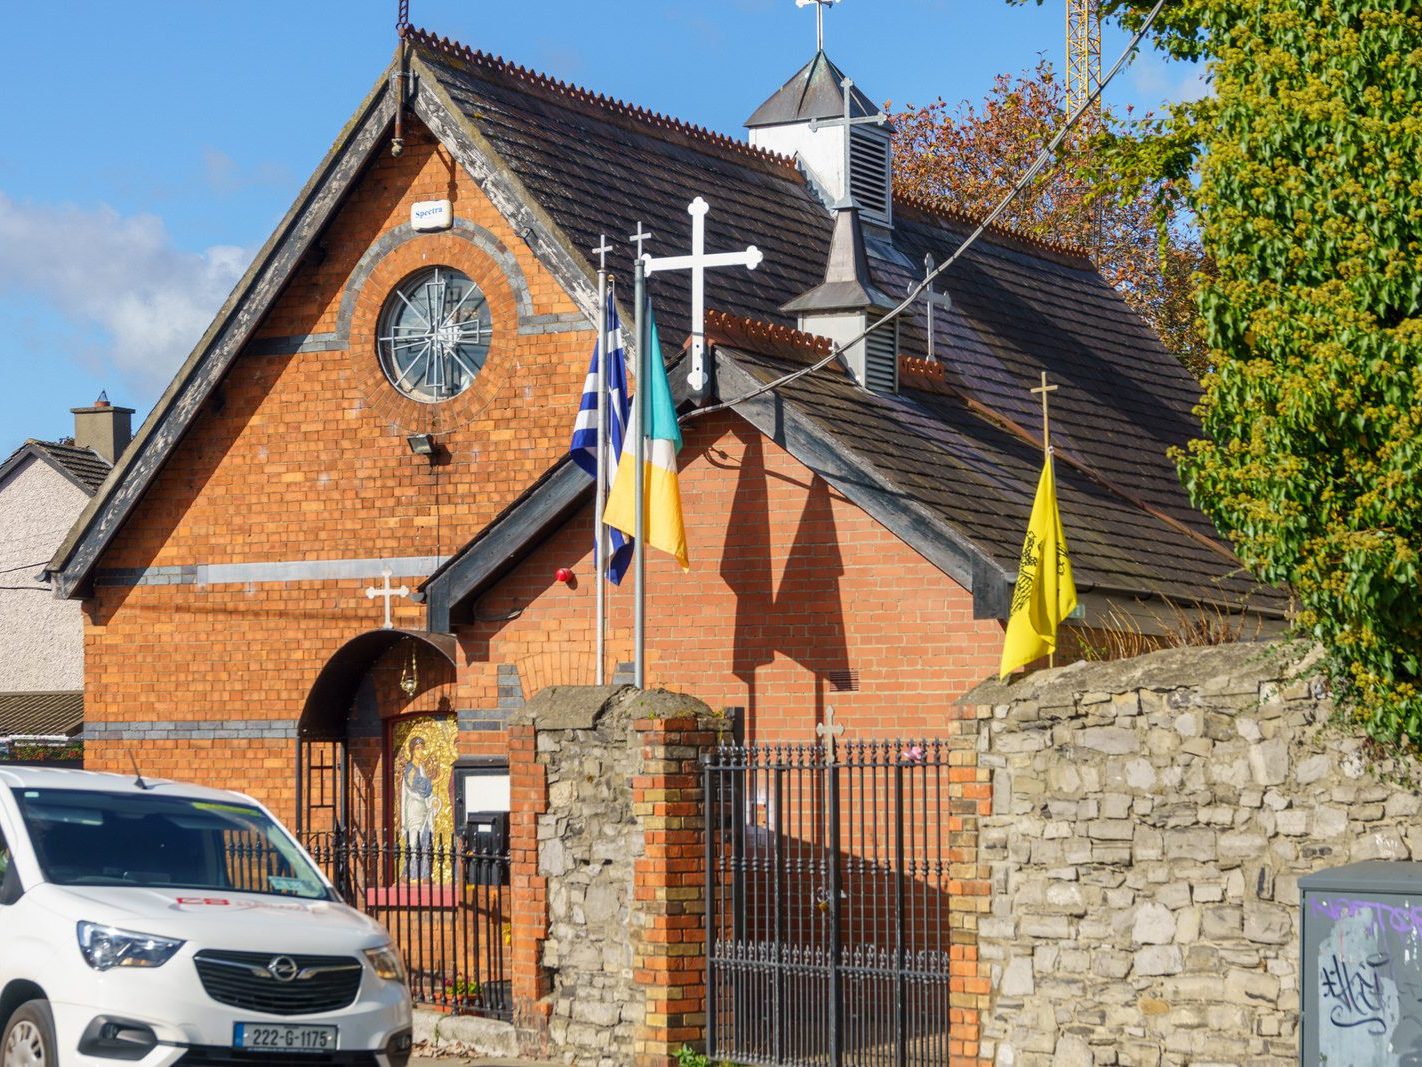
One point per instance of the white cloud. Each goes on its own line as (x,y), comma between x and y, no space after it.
(224,176)
(1158,80)
(120,274)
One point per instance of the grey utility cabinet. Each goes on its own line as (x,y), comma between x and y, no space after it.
(1360,966)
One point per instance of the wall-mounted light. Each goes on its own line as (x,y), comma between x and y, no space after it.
(422,444)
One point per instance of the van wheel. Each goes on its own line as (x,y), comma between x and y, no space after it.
(29,1037)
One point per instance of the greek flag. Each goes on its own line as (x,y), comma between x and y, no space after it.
(584,446)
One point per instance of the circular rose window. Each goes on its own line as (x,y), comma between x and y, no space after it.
(434,335)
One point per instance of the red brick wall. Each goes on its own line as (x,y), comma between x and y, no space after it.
(669,944)
(304,457)
(789,582)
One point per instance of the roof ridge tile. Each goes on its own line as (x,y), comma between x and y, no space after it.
(935,206)
(929,370)
(646,116)
(765,338)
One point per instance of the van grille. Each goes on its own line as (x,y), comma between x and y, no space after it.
(241,980)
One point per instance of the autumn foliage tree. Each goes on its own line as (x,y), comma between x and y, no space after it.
(968,157)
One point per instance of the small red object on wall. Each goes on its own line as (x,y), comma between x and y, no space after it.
(564,575)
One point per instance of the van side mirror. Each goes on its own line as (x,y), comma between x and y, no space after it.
(10,888)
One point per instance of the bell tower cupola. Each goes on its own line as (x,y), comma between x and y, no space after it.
(835,131)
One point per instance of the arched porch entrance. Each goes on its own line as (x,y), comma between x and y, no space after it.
(375,752)
(343,723)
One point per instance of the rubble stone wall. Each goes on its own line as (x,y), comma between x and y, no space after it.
(1150,821)
(619,956)
(588,841)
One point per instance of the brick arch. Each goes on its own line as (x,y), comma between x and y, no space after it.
(476,235)
(327,709)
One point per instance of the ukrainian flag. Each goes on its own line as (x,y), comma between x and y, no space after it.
(662,493)
(1045,593)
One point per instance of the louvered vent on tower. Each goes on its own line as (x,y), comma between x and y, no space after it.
(870,174)
(881,359)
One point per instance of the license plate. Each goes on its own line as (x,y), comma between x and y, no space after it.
(268,1038)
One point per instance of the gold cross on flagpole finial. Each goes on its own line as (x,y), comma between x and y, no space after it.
(1044,389)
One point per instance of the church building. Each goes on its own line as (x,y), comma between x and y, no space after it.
(348,542)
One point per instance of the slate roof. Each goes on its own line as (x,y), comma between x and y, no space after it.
(972,473)
(82,466)
(948,475)
(1020,307)
(599,167)
(591,166)
(41,714)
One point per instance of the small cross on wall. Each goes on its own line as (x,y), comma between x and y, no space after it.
(389,593)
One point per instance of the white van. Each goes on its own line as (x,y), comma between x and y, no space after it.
(152,923)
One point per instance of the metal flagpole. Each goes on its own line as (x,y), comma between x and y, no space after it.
(639,455)
(1045,389)
(599,530)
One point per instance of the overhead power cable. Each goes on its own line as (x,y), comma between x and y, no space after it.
(23,567)
(1043,158)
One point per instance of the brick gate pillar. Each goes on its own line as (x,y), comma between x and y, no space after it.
(668,907)
(528,890)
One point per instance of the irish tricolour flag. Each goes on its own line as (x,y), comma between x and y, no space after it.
(662,493)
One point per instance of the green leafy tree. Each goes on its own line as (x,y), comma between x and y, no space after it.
(1307,180)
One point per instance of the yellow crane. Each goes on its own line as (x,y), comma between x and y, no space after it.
(1083,67)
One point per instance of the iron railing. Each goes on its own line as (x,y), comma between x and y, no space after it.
(444,902)
(827,919)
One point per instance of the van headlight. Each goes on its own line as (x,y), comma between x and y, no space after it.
(104,947)
(387,963)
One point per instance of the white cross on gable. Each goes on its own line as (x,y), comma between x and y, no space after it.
(848,122)
(699,262)
(388,593)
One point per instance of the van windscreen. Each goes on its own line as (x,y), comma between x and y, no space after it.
(117,839)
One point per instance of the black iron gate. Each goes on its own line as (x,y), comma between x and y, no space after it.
(827,919)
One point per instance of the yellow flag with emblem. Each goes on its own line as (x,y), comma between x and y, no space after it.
(1045,593)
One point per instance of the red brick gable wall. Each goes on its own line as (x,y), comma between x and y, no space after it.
(302,456)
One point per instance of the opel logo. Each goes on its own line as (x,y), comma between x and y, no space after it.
(283,969)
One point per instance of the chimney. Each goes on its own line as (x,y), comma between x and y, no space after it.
(844,305)
(104,428)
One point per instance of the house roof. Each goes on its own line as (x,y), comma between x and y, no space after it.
(951,477)
(41,714)
(82,466)
(955,477)
(567,165)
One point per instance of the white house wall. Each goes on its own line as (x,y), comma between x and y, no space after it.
(41,638)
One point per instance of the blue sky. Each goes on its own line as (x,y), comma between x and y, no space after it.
(147,149)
